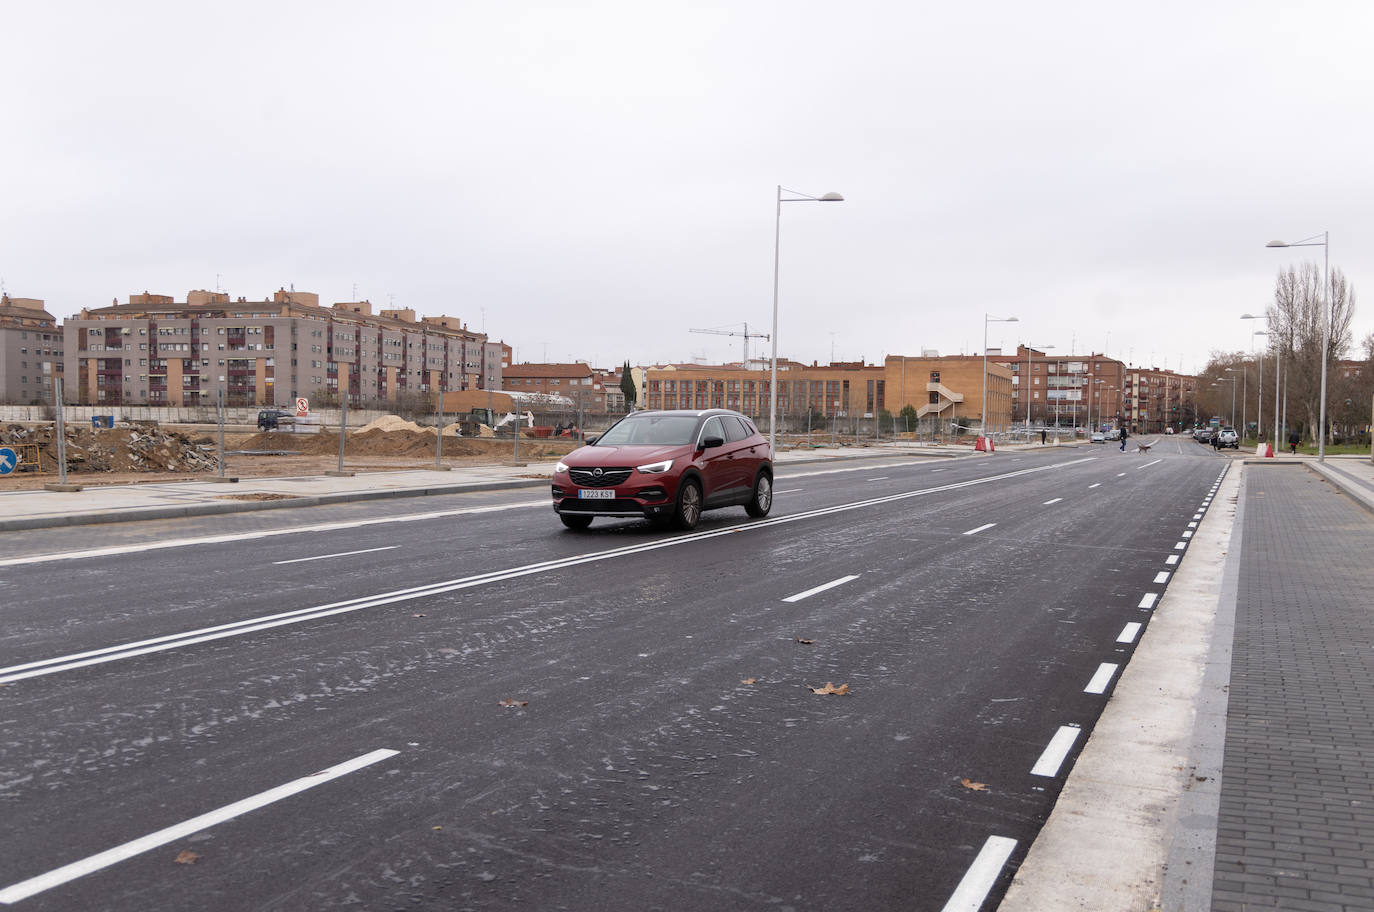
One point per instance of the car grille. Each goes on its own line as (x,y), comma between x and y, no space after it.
(608,478)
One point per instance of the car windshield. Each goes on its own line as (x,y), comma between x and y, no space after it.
(651,430)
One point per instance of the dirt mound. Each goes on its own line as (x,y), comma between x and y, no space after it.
(122,449)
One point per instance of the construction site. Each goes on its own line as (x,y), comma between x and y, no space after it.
(134,452)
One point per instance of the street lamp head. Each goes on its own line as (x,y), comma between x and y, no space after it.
(1277,244)
(830,198)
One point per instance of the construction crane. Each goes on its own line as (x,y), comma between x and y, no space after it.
(731,332)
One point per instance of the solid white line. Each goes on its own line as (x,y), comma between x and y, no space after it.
(1171,560)
(1056,751)
(301,560)
(1091,486)
(1127,634)
(249,625)
(1162,577)
(978,880)
(70,872)
(1148,600)
(983,527)
(1048,502)
(1101,679)
(830,585)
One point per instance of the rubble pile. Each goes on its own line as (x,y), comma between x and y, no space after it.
(123,449)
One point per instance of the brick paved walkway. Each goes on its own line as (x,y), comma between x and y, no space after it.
(1297,793)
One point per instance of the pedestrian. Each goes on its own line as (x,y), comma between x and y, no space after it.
(1123,438)
(1293,439)
(1042,436)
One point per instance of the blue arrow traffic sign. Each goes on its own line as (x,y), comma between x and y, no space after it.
(8,460)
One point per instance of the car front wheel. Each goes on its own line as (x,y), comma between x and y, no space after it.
(762,500)
(688,510)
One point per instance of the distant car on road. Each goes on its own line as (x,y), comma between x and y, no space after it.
(1099,437)
(666,467)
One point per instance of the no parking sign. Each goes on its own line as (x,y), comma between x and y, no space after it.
(302,407)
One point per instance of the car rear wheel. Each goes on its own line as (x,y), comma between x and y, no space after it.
(573,521)
(688,510)
(762,500)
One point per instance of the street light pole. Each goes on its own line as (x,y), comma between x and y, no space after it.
(796,197)
(1259,418)
(1245,391)
(1325,244)
(986,320)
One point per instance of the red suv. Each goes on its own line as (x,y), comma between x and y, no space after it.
(666,467)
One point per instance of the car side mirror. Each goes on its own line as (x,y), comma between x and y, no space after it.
(589,439)
(710,443)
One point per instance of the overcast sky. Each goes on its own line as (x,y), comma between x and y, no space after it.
(591,180)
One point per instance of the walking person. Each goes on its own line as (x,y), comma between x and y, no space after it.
(1293,440)
(1123,438)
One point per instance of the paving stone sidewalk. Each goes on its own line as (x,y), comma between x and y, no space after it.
(1296,826)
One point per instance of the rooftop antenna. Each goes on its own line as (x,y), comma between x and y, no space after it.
(355,291)
(484,319)
(832,346)
(218,287)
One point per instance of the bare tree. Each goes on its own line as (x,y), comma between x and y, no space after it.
(1296,324)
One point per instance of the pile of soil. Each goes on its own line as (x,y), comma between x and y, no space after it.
(121,449)
(402,442)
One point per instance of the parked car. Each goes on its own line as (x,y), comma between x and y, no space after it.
(269,419)
(1227,437)
(666,467)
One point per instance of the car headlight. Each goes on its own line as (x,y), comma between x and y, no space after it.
(655,468)
(559,468)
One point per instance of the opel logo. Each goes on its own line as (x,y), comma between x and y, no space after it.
(597,472)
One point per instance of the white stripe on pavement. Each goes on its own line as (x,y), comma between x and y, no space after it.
(978,880)
(1048,502)
(830,585)
(1162,577)
(70,872)
(1101,679)
(1056,751)
(301,560)
(1128,633)
(982,528)
(1148,600)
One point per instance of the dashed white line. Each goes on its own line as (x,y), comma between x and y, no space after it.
(1187,533)
(1056,751)
(978,880)
(1148,600)
(881,478)
(788,490)
(1161,577)
(1180,546)
(1171,560)
(1101,679)
(301,560)
(982,528)
(1120,474)
(1128,633)
(810,592)
(1192,525)
(1048,502)
(70,872)
(1148,464)
(1096,485)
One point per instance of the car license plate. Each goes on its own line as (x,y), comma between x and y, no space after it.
(602,494)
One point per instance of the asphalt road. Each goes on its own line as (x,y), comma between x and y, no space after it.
(617,719)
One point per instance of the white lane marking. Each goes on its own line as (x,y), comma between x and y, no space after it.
(830,585)
(880,478)
(1091,486)
(70,872)
(266,533)
(1161,577)
(1192,525)
(1187,533)
(1128,633)
(1101,679)
(250,625)
(1180,546)
(788,490)
(1197,516)
(1148,600)
(1171,560)
(1120,474)
(982,528)
(978,880)
(1056,751)
(301,560)
(1048,502)
(1148,464)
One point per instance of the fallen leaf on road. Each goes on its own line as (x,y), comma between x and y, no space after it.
(436,829)
(805,642)
(417,615)
(748,680)
(509,703)
(973,786)
(829,688)
(186,857)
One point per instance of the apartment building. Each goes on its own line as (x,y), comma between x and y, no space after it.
(156,351)
(1154,399)
(30,351)
(950,389)
(577,382)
